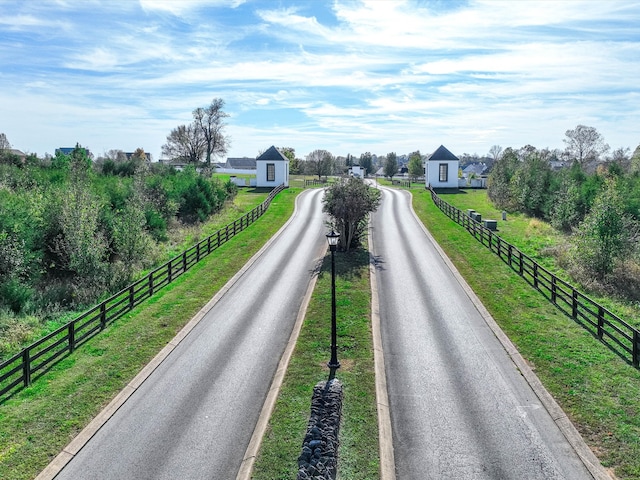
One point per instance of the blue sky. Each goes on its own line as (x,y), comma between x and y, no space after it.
(346,76)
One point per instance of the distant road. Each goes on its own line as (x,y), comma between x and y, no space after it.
(459,407)
(194,416)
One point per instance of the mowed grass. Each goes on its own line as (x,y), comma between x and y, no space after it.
(37,422)
(598,390)
(358,454)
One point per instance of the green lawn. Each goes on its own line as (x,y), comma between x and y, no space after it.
(36,423)
(595,387)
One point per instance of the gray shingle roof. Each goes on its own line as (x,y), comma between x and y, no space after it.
(241,163)
(272,153)
(443,154)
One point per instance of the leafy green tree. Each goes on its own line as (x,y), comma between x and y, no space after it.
(131,241)
(416,167)
(81,246)
(635,160)
(606,235)
(349,202)
(530,186)
(565,211)
(294,163)
(499,182)
(391,165)
(320,163)
(366,162)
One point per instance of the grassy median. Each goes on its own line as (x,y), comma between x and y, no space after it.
(358,454)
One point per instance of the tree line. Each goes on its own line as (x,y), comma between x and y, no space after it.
(593,198)
(322,163)
(73,229)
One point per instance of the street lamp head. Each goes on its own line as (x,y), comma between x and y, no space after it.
(332,238)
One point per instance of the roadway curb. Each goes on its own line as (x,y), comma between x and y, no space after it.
(586,455)
(80,440)
(385,434)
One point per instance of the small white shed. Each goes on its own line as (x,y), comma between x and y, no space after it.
(356,171)
(272,169)
(442,169)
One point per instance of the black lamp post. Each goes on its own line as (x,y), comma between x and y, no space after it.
(333,238)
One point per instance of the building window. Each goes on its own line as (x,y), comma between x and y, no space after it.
(271,172)
(444,172)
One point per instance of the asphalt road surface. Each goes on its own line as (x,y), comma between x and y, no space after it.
(459,407)
(194,416)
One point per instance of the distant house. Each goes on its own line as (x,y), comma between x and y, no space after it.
(442,169)
(18,153)
(272,169)
(356,171)
(69,151)
(476,169)
(243,163)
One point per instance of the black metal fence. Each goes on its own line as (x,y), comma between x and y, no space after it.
(618,335)
(314,182)
(33,361)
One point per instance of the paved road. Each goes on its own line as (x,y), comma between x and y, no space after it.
(194,416)
(459,408)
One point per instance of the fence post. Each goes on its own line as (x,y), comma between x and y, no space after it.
(218,245)
(26,367)
(169,272)
(72,336)
(131,296)
(574,305)
(103,315)
(521,266)
(553,288)
(636,339)
(600,322)
(509,253)
(184,261)
(151,284)
(535,274)
(197,252)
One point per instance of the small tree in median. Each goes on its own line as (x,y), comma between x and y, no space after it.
(349,202)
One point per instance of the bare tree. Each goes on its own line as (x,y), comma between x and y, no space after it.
(210,121)
(584,144)
(185,143)
(495,151)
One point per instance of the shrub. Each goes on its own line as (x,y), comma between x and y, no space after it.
(15,295)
